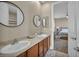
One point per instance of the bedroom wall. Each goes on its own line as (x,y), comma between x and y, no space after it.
(62,22)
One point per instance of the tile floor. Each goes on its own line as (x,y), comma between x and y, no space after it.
(54,53)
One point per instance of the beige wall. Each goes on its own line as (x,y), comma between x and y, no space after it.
(29,9)
(62,22)
(46,11)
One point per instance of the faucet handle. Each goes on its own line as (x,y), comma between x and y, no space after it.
(15,39)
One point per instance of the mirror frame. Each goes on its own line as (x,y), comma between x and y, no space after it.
(39,20)
(18,8)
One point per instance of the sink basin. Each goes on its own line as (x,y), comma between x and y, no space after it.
(8,49)
(42,35)
(30,37)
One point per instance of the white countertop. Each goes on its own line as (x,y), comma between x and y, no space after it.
(33,42)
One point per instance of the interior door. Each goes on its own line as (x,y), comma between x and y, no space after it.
(72,41)
(77,23)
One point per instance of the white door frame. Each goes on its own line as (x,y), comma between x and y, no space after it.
(53,23)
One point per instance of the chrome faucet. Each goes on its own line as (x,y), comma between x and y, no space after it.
(14,41)
(40,33)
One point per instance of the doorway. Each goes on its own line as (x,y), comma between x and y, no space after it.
(61,27)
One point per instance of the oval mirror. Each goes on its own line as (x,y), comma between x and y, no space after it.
(10,14)
(45,21)
(37,21)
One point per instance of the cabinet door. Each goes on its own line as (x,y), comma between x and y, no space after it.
(45,45)
(32,52)
(48,42)
(41,49)
(72,43)
(22,55)
(77,23)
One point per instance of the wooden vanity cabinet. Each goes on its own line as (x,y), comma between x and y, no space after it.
(32,52)
(22,54)
(48,42)
(41,49)
(45,45)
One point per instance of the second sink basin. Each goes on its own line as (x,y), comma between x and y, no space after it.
(42,35)
(8,49)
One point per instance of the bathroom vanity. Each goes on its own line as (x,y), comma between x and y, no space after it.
(35,47)
(38,50)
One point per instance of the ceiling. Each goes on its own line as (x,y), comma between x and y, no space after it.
(60,9)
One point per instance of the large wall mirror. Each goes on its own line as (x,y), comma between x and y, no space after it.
(37,21)
(10,14)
